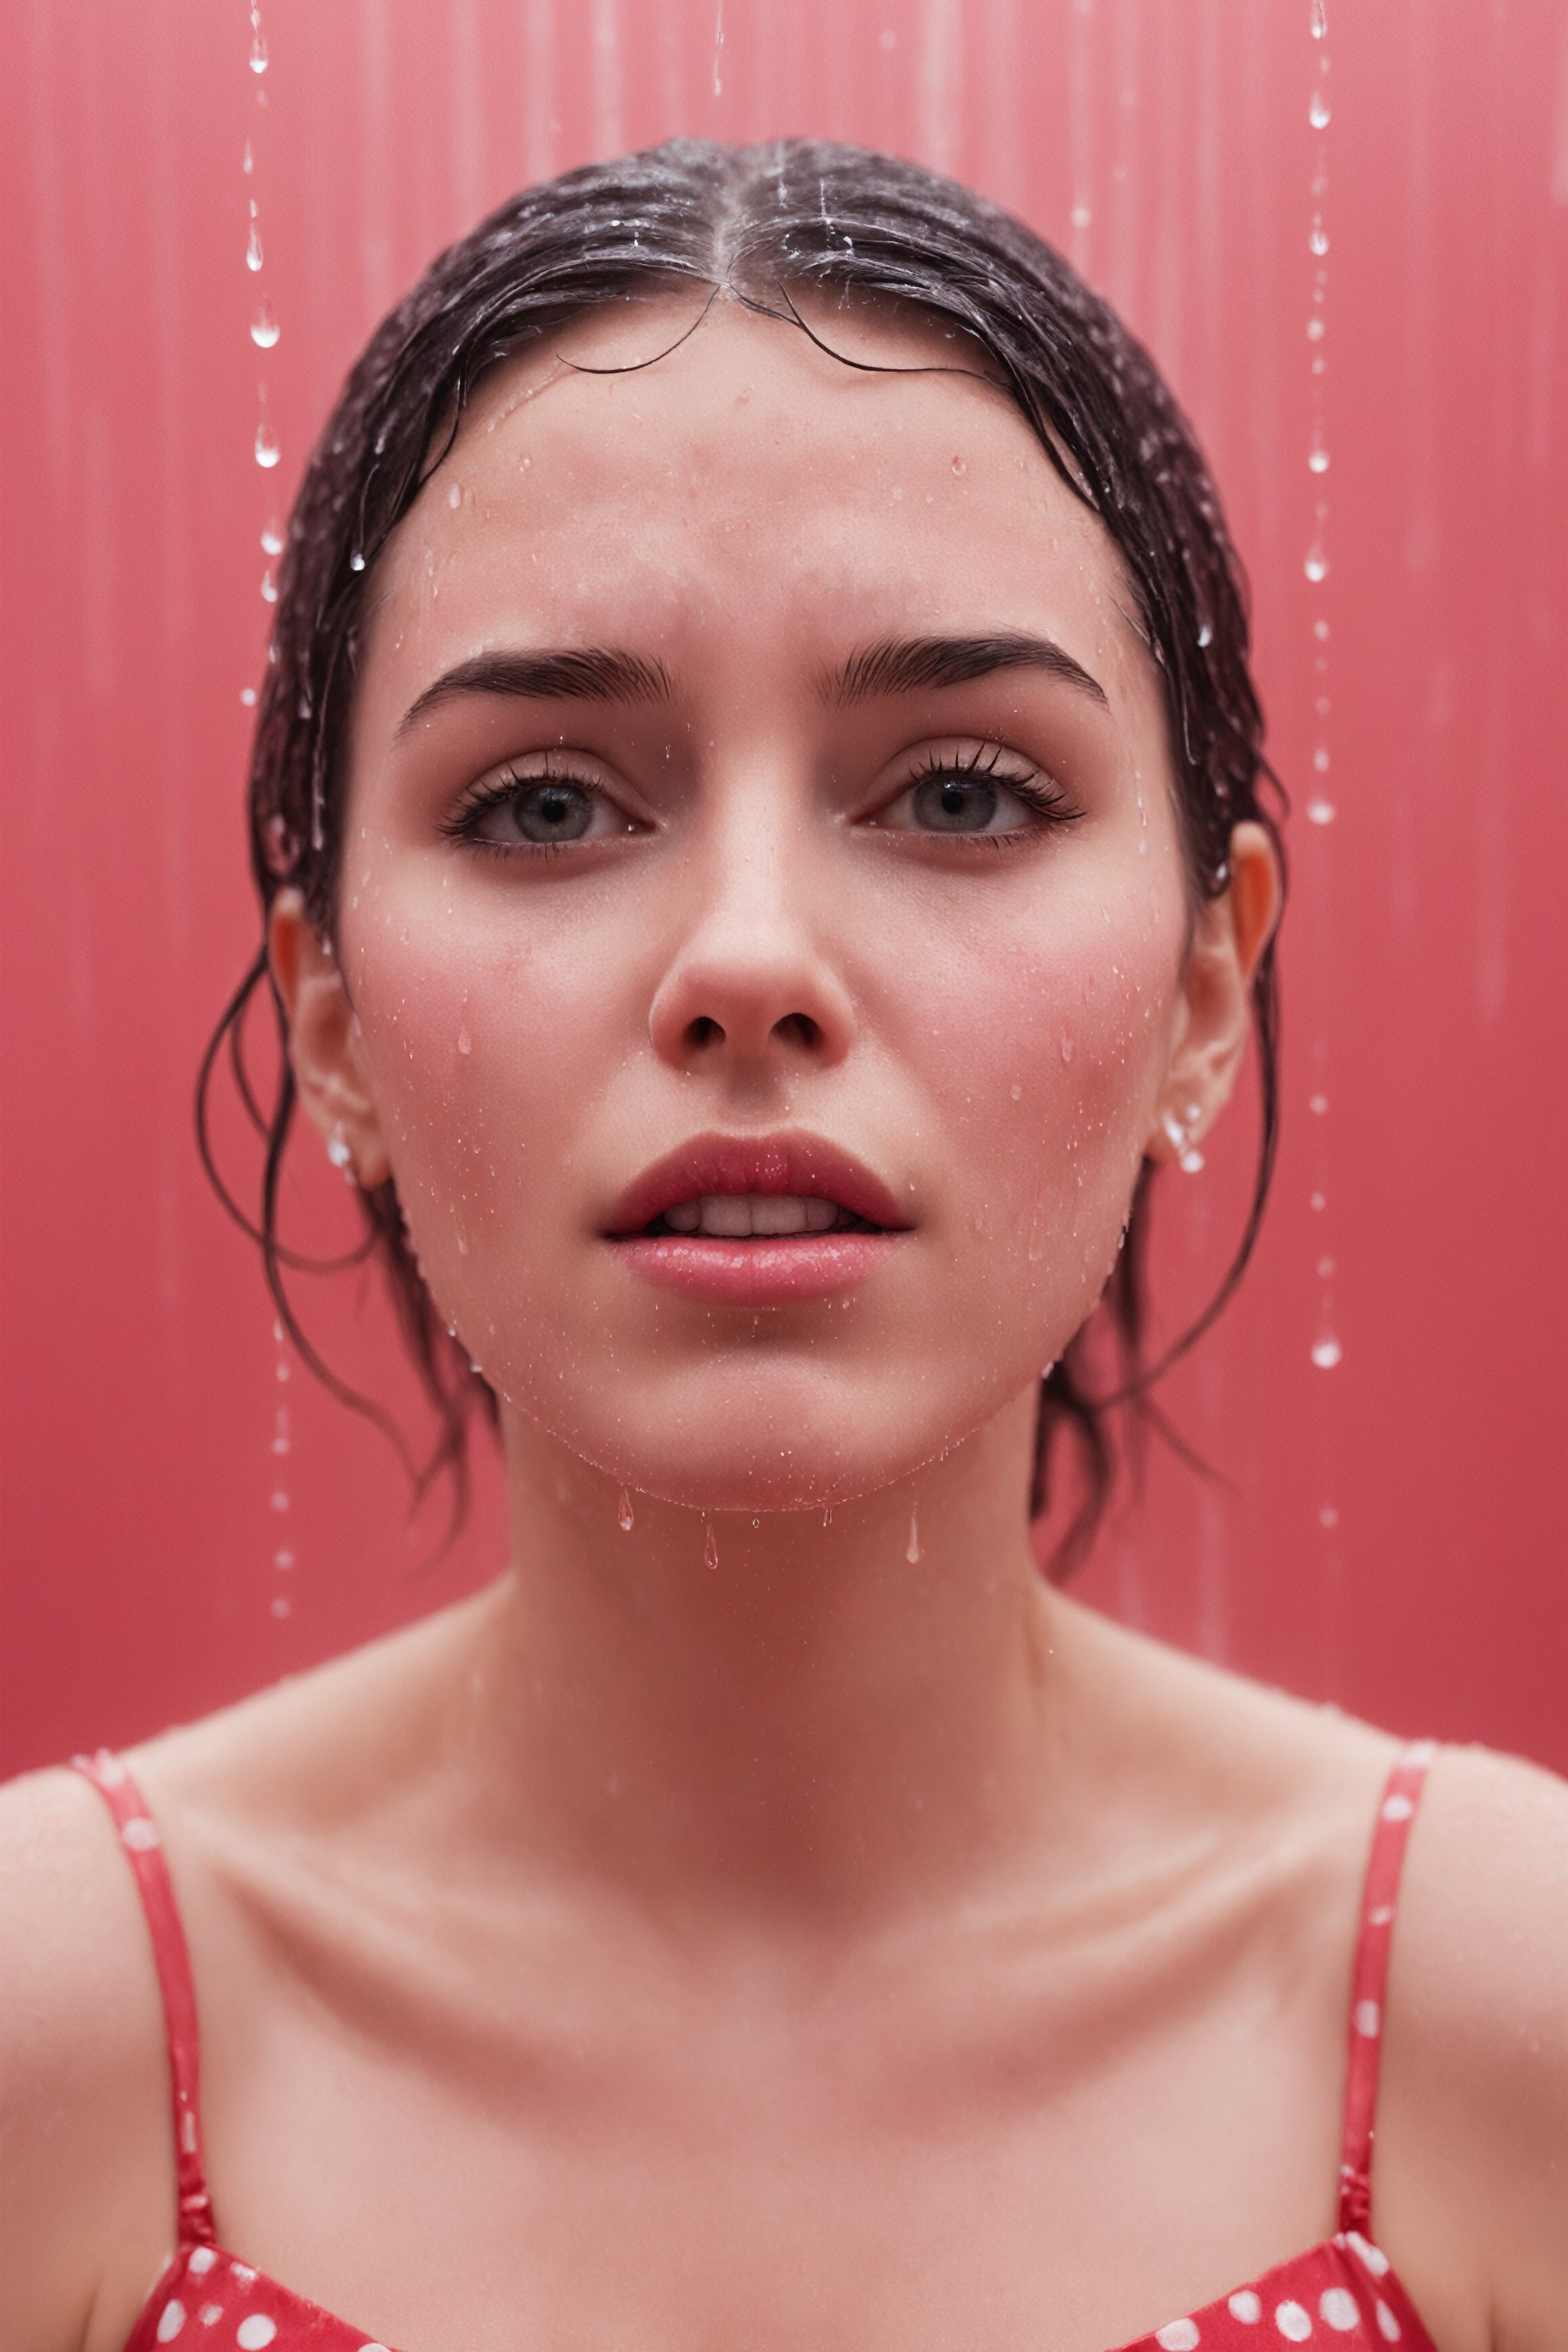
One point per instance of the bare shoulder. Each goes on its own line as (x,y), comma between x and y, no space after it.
(85,2163)
(1472,2150)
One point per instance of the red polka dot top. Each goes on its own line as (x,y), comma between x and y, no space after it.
(1340,2292)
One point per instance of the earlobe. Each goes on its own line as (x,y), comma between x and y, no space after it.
(324,1042)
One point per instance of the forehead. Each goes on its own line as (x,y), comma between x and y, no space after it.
(665,464)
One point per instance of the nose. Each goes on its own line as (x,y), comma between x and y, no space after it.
(752,981)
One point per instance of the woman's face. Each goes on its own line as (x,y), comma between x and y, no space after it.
(762,905)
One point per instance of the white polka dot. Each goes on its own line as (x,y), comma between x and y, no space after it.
(203,2259)
(139,1835)
(1397,1808)
(171,2320)
(1372,2258)
(1368,2019)
(1337,2306)
(1177,2335)
(1293,2322)
(1387,2325)
(1246,2306)
(252,2334)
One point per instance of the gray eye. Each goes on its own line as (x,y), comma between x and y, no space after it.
(550,811)
(954,804)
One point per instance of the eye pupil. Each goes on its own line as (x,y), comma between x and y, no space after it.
(552,812)
(956,804)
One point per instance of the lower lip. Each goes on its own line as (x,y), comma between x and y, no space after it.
(757,1273)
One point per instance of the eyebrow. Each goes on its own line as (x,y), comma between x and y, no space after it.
(579,673)
(908,664)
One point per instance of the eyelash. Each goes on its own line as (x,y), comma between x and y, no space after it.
(1038,791)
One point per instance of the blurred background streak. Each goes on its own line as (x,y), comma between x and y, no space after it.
(1259,186)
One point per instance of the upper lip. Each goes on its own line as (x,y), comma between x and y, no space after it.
(806,1166)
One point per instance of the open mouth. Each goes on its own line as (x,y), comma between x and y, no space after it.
(758,1216)
(756,1221)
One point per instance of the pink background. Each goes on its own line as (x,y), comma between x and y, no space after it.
(1168,150)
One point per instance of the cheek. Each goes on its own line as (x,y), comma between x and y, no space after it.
(485,1050)
(1048,1091)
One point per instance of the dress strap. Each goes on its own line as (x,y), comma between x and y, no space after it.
(1400,1795)
(145,1851)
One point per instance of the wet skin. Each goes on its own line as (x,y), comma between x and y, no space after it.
(787,1922)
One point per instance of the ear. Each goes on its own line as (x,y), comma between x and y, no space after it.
(324,1042)
(1215,1002)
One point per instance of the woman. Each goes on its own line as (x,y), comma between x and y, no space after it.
(756,805)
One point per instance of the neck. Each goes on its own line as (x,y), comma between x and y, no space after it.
(829,1714)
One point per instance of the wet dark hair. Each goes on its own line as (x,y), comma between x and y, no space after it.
(761,225)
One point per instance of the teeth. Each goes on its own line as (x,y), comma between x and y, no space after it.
(731,1216)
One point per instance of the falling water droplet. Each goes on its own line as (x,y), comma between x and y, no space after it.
(1317,238)
(1191,1161)
(1320,759)
(912,1552)
(257,49)
(1318,1105)
(283,1559)
(356,561)
(280,1499)
(281,1604)
(1318,112)
(626,1518)
(253,256)
(1317,458)
(1319,21)
(1319,812)
(249,164)
(1327,1354)
(718,48)
(1328,1516)
(247,696)
(1205,633)
(273,539)
(710,1546)
(269,588)
(264,328)
(267,450)
(465,1043)
(1316,566)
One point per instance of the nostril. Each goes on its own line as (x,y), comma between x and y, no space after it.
(705,1031)
(798,1029)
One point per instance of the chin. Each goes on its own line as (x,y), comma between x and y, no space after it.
(730,1445)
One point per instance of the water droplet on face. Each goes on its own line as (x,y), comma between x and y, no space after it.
(455,495)
(1316,566)
(1321,812)
(1066,1048)
(710,1546)
(1327,1354)
(465,1043)
(1015,1092)
(626,1518)
(912,1551)
(1317,112)
(267,450)
(960,465)
(264,328)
